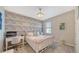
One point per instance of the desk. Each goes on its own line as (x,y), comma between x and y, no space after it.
(14,40)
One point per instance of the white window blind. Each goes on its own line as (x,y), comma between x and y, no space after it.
(48,27)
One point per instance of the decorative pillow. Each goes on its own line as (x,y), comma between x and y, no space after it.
(30,33)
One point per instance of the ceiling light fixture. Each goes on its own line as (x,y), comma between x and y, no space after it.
(40,14)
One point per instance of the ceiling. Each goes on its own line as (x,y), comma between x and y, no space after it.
(31,11)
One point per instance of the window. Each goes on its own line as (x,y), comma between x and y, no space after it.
(48,27)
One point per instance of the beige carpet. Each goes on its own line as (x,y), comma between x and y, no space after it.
(50,49)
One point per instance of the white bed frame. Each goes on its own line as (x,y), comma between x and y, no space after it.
(40,45)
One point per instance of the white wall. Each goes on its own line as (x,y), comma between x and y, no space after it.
(67,35)
(77,29)
(77,36)
(2,31)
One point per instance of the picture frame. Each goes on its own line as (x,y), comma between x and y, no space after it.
(62,26)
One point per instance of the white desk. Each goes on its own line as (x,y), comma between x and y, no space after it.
(14,40)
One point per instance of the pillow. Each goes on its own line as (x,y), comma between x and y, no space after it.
(30,33)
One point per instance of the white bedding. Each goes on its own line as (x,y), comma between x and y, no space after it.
(39,42)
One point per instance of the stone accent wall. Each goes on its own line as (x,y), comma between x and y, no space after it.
(16,22)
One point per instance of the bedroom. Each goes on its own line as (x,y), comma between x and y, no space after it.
(43,29)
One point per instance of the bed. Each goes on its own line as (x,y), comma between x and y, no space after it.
(39,42)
